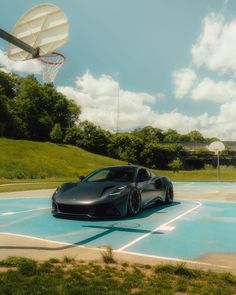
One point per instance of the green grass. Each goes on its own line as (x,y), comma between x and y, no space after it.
(226,174)
(20,159)
(25,276)
(36,165)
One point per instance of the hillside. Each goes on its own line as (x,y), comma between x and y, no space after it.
(21,159)
(28,165)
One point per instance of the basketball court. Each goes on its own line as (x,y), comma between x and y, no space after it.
(197,227)
(188,230)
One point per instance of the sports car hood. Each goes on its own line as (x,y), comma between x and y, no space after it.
(86,192)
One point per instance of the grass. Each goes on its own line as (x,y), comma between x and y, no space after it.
(20,159)
(25,276)
(36,165)
(107,255)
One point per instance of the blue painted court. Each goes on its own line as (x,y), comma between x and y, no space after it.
(186,229)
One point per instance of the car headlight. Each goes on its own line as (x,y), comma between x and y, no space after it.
(117,191)
(56,191)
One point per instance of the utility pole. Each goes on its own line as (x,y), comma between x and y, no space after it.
(118,109)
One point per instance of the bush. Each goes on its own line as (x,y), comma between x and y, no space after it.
(107,255)
(56,134)
(176,165)
(28,267)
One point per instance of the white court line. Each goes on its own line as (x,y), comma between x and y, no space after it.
(159,228)
(49,241)
(116,251)
(25,198)
(18,212)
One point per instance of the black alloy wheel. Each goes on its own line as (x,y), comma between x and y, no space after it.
(134,203)
(169,194)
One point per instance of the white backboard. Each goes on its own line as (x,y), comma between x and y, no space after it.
(216,147)
(44,26)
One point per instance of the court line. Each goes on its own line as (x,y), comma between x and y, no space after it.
(199,204)
(25,211)
(24,198)
(117,251)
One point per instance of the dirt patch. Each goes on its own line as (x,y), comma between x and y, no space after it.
(227,259)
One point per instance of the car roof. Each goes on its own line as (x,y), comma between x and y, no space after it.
(134,166)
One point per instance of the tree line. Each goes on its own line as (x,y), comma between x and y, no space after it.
(32,111)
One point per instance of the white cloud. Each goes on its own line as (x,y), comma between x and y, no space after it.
(183,81)
(29,66)
(216,46)
(222,91)
(222,125)
(175,120)
(98,99)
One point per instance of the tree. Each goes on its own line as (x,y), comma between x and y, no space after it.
(149,134)
(56,134)
(171,135)
(9,84)
(37,108)
(126,147)
(195,136)
(4,114)
(160,155)
(91,137)
(176,165)
(72,135)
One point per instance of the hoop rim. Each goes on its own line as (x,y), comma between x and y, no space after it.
(53,54)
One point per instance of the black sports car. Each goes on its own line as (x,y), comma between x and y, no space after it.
(112,192)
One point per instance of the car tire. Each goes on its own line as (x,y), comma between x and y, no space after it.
(169,194)
(134,203)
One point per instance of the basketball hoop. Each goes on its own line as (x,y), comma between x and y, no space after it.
(51,64)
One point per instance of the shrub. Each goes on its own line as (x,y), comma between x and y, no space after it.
(176,165)
(56,134)
(107,255)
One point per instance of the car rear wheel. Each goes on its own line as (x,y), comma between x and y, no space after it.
(134,203)
(169,194)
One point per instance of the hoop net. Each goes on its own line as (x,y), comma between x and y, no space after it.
(50,65)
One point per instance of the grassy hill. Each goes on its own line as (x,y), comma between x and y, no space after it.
(21,159)
(35,165)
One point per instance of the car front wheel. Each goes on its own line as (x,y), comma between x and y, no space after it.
(134,203)
(169,194)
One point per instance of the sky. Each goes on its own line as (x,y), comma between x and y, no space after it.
(164,63)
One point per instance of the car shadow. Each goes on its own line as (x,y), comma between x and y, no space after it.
(126,225)
(150,210)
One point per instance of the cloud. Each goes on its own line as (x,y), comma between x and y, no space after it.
(215,49)
(183,81)
(208,89)
(98,98)
(222,125)
(101,98)
(29,66)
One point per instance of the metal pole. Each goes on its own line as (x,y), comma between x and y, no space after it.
(218,167)
(17,42)
(118,109)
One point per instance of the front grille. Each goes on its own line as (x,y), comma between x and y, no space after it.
(104,210)
(74,209)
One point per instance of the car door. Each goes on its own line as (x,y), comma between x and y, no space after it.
(144,185)
(147,187)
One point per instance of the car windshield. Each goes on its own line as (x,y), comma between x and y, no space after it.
(116,174)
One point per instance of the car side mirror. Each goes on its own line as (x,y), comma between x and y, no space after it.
(82,177)
(143,178)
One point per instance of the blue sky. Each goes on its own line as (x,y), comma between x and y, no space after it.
(155,51)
